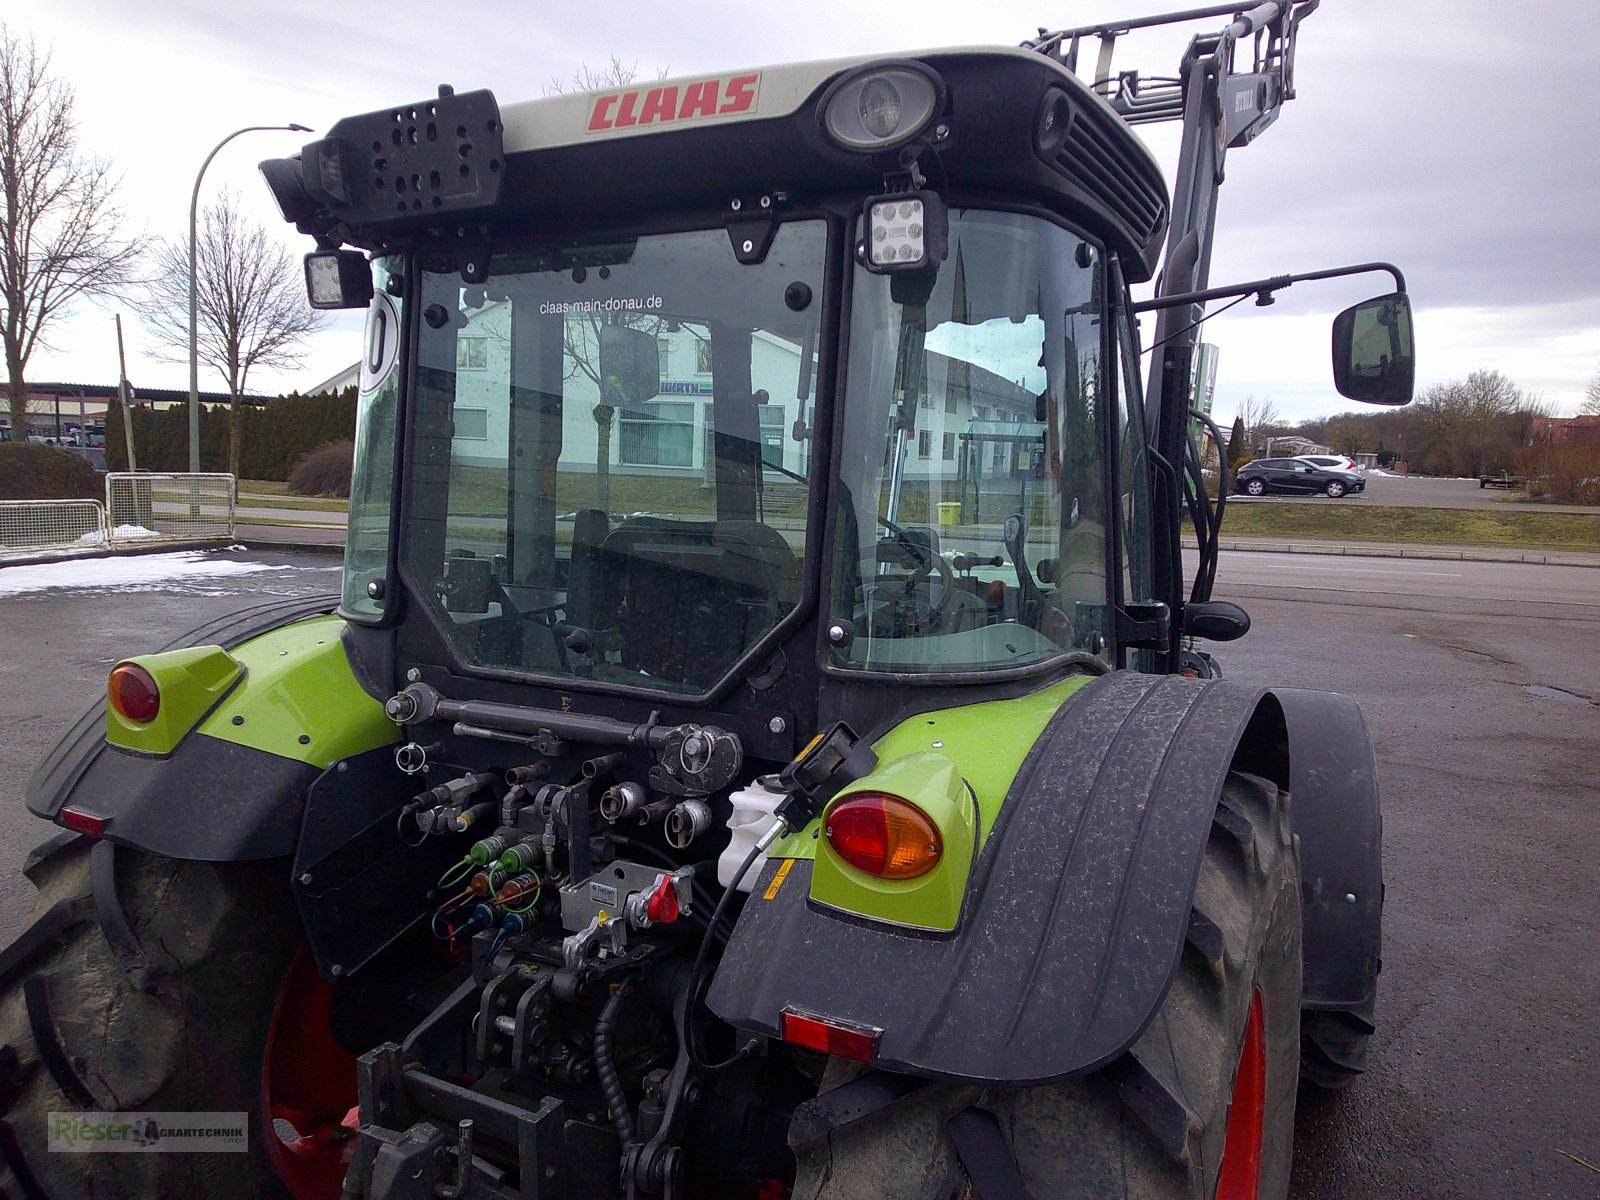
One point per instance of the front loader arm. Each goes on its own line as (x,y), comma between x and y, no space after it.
(1222,105)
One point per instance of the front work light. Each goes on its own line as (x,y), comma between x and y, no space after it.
(905,231)
(338,279)
(881,107)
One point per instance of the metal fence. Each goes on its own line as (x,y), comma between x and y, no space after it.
(179,505)
(139,508)
(50,525)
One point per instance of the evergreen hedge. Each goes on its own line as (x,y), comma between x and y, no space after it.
(33,472)
(273,437)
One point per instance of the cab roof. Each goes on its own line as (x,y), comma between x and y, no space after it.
(630,154)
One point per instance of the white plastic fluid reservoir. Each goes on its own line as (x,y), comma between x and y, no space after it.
(752,816)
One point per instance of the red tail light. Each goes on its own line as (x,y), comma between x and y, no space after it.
(132,691)
(844,1041)
(884,835)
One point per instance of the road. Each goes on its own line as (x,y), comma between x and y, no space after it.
(1420,583)
(1484,1062)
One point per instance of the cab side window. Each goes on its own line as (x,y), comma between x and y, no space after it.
(1133,461)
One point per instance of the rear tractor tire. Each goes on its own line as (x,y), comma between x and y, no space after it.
(145,984)
(1201,1107)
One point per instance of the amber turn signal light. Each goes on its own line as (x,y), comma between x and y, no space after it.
(883,835)
(132,692)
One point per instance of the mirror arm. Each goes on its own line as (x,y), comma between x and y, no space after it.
(1262,289)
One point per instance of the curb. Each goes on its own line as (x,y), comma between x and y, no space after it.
(1553,558)
(330,548)
(142,546)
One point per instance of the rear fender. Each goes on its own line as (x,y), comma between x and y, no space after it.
(1076,912)
(1334,782)
(234,787)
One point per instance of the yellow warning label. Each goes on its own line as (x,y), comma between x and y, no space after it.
(811,745)
(777,880)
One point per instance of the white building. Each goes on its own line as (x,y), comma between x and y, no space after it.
(963,408)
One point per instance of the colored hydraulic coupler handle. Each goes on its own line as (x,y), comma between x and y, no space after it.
(520,857)
(479,855)
(481,916)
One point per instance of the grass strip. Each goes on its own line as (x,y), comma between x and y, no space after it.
(1346,521)
(303,503)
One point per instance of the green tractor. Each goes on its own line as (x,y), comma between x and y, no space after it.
(760,749)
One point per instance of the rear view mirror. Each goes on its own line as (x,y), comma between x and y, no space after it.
(630,365)
(1215,620)
(1372,356)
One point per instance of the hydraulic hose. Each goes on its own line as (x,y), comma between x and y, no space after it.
(699,969)
(606,1070)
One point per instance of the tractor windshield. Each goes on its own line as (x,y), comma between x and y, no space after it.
(607,481)
(971,509)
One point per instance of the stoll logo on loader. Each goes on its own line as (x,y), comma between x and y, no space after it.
(147,1133)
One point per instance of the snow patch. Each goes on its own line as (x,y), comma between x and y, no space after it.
(141,573)
(133,531)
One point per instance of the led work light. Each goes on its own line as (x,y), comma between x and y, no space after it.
(904,231)
(338,279)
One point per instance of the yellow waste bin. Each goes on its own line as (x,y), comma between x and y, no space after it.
(950,512)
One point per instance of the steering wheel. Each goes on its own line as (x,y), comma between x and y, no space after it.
(915,608)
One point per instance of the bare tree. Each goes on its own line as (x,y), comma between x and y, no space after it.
(1590,404)
(613,74)
(1477,423)
(1260,419)
(251,303)
(59,229)
(582,336)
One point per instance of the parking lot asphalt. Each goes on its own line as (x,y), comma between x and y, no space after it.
(1421,491)
(1481,694)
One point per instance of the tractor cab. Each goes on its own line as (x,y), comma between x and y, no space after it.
(830,362)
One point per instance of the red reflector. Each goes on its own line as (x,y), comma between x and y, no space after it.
(82,822)
(132,691)
(858,1045)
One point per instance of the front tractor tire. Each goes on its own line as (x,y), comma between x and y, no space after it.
(1201,1107)
(159,997)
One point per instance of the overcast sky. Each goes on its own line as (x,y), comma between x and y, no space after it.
(1459,139)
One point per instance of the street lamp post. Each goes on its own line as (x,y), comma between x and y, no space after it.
(194,333)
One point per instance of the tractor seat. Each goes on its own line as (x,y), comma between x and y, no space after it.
(687,598)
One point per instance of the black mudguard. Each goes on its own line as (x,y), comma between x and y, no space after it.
(1334,782)
(1076,912)
(208,800)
